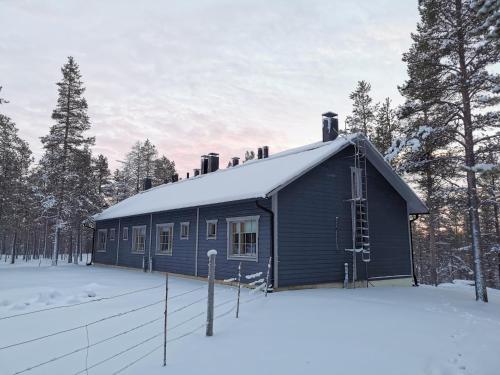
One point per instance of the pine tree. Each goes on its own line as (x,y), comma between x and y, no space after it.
(387,126)
(64,145)
(456,48)
(101,173)
(164,170)
(363,111)
(15,160)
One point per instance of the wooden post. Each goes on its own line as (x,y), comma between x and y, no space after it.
(268,275)
(239,292)
(211,284)
(165,323)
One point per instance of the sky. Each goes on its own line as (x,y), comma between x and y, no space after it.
(199,76)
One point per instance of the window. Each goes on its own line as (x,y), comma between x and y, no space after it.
(125,233)
(112,234)
(164,238)
(211,229)
(184,231)
(101,239)
(243,237)
(138,239)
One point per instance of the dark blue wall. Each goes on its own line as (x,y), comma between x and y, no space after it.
(314,226)
(314,229)
(183,256)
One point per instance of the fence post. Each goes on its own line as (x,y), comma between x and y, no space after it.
(211,281)
(165,323)
(239,292)
(268,273)
(346,275)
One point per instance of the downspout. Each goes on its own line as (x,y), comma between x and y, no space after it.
(196,242)
(118,240)
(272,238)
(150,261)
(415,281)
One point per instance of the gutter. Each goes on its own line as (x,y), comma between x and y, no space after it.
(272,238)
(415,281)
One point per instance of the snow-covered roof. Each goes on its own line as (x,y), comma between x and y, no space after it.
(254,179)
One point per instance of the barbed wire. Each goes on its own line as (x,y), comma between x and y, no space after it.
(82,303)
(119,353)
(86,347)
(82,325)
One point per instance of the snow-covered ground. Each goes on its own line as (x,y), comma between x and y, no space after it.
(383,330)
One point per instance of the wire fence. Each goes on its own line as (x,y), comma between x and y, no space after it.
(196,304)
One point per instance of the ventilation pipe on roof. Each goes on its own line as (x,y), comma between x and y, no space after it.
(187,175)
(213,162)
(259,153)
(196,172)
(204,164)
(147,183)
(235,161)
(265,149)
(330,126)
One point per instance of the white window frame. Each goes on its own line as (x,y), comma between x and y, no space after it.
(213,221)
(99,231)
(171,235)
(112,234)
(231,220)
(125,233)
(138,227)
(183,225)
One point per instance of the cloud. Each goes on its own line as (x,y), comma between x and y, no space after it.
(201,75)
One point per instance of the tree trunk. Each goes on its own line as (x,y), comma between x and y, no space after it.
(55,250)
(13,253)
(432,226)
(77,250)
(70,247)
(473,201)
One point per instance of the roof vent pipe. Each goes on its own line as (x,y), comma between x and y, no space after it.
(196,172)
(147,183)
(265,149)
(204,164)
(330,126)
(213,162)
(235,161)
(259,153)
(187,175)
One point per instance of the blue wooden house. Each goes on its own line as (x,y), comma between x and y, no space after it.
(310,210)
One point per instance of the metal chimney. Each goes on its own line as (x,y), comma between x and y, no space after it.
(196,172)
(187,175)
(235,161)
(213,162)
(265,149)
(204,164)
(259,153)
(330,126)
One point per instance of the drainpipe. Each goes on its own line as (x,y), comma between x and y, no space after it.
(415,281)
(150,261)
(272,238)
